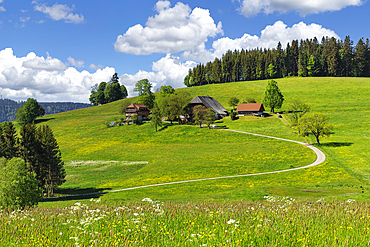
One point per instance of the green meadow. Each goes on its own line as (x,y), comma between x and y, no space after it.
(325,205)
(181,152)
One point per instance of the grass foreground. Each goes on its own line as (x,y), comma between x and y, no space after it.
(273,222)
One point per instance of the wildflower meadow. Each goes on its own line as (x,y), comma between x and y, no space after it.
(273,221)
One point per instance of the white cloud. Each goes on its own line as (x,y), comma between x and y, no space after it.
(269,38)
(169,70)
(95,67)
(2,9)
(253,7)
(170,31)
(59,12)
(76,63)
(24,19)
(46,79)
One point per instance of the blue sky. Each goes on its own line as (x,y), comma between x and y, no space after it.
(56,50)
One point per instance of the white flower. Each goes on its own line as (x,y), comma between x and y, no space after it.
(231,221)
(147,200)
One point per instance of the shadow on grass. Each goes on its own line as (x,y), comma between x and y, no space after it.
(69,194)
(165,126)
(37,121)
(337,144)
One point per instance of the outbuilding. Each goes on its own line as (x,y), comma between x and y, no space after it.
(250,109)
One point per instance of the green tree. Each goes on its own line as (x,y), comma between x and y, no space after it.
(316,124)
(30,149)
(114,91)
(18,188)
(52,166)
(271,71)
(175,105)
(273,98)
(296,110)
(233,102)
(10,138)
(146,97)
(93,94)
(29,111)
(198,114)
(100,96)
(360,58)
(156,118)
(209,117)
(2,142)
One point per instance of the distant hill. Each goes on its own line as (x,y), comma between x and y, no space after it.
(9,107)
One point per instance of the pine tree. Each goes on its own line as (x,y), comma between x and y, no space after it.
(10,137)
(2,142)
(347,56)
(51,164)
(360,58)
(29,148)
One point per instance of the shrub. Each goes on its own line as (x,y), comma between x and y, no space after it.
(18,188)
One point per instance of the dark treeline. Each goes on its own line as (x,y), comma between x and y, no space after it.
(9,107)
(330,57)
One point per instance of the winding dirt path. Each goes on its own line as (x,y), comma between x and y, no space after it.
(320,159)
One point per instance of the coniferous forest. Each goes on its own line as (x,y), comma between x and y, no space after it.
(9,107)
(310,57)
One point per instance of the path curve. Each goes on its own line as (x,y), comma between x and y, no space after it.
(320,159)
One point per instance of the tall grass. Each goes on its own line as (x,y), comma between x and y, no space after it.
(272,222)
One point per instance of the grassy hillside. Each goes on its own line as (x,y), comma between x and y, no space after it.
(187,152)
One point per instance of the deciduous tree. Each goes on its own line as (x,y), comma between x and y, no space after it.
(233,102)
(18,187)
(296,110)
(273,98)
(316,124)
(29,111)
(156,118)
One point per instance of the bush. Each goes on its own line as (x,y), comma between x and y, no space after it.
(18,188)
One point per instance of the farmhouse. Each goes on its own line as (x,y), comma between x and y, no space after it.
(209,103)
(140,110)
(250,109)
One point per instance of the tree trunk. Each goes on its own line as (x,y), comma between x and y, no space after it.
(317,139)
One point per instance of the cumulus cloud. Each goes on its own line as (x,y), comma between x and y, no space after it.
(2,9)
(46,79)
(59,12)
(95,67)
(252,7)
(169,70)
(76,63)
(269,38)
(170,31)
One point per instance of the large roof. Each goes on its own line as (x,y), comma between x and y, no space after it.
(251,107)
(211,103)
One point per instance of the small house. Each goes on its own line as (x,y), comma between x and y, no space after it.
(209,103)
(140,110)
(250,109)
